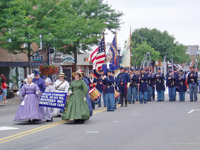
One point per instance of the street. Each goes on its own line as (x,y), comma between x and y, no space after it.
(152,126)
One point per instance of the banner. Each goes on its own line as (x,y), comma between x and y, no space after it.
(112,55)
(126,59)
(52,99)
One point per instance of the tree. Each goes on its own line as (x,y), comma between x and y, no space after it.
(180,55)
(162,42)
(141,50)
(90,19)
(27,22)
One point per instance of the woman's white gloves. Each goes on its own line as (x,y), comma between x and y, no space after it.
(84,99)
(69,93)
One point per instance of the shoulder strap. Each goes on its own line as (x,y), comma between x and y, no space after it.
(60,85)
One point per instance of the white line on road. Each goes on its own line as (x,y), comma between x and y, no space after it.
(190,111)
(7,128)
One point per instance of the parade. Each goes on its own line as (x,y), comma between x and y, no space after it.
(128,87)
(99,75)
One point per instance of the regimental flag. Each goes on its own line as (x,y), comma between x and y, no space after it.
(112,55)
(126,54)
(98,56)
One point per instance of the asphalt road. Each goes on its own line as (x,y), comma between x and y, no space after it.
(152,126)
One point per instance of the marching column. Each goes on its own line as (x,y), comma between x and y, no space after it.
(123,79)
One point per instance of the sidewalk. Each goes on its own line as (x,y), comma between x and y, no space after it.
(11,101)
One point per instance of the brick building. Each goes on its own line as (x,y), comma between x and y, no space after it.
(10,62)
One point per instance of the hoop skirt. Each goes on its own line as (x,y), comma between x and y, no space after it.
(28,110)
(76,107)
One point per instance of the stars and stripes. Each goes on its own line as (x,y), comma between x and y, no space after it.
(98,56)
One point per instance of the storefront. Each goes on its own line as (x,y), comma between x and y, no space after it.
(66,64)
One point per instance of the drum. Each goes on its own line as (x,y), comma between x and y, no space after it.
(116,94)
(94,95)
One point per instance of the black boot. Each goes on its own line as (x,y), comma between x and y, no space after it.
(122,101)
(125,95)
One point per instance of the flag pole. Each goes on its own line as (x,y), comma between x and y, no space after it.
(130,46)
(116,47)
(104,43)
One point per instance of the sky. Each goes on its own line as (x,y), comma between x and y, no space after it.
(180,18)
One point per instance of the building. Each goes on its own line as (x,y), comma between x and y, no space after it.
(66,64)
(191,49)
(11,64)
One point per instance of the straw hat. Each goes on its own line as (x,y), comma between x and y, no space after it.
(78,72)
(61,75)
(81,71)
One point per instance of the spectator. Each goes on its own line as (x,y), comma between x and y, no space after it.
(4,89)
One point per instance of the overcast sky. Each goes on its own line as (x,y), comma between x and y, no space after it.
(180,18)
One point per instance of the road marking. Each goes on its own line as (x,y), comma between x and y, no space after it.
(28,132)
(190,111)
(7,128)
(92,132)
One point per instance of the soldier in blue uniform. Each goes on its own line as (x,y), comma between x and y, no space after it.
(171,79)
(175,75)
(131,88)
(136,81)
(143,87)
(160,87)
(116,87)
(123,79)
(151,83)
(100,86)
(192,81)
(181,85)
(92,84)
(110,92)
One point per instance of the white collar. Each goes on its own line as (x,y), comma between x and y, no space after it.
(30,84)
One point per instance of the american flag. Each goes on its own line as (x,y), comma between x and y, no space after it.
(98,56)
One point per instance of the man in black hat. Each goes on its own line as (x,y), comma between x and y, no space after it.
(131,88)
(160,87)
(92,84)
(123,79)
(151,84)
(181,85)
(171,79)
(39,81)
(143,87)
(192,81)
(100,86)
(110,91)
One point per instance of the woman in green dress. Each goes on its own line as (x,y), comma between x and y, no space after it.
(76,107)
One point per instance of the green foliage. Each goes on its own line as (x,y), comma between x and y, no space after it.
(141,50)
(180,55)
(162,42)
(69,25)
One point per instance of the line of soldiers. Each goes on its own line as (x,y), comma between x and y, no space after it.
(141,86)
